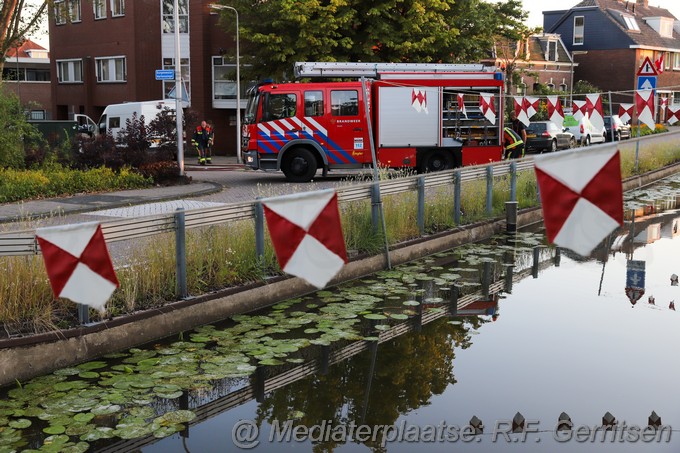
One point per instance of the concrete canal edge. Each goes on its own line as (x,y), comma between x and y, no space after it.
(24,358)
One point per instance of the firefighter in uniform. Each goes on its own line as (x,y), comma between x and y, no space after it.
(513,145)
(211,142)
(201,141)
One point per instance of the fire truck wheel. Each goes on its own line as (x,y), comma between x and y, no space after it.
(299,165)
(436,161)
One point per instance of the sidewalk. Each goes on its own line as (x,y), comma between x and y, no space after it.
(25,210)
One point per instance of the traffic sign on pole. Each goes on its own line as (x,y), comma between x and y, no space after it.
(646,83)
(647,68)
(165,74)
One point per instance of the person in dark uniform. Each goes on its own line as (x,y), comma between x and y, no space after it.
(513,146)
(518,126)
(201,140)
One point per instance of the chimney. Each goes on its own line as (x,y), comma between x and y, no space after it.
(645,3)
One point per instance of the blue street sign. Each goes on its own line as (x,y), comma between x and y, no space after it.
(635,274)
(165,74)
(646,83)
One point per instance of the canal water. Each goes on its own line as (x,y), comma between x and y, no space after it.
(482,348)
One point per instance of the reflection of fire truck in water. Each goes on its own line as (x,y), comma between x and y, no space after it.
(422,116)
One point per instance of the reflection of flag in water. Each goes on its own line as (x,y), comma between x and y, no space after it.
(461,104)
(594,109)
(581,196)
(78,263)
(486,105)
(579,109)
(644,101)
(307,235)
(419,100)
(673,114)
(555,112)
(625,112)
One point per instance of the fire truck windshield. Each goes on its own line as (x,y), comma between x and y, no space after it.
(251,108)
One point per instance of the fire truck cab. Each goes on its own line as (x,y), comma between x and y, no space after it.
(408,115)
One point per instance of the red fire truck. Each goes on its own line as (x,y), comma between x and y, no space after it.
(422,116)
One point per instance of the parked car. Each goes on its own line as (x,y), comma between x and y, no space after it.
(616,129)
(585,133)
(546,136)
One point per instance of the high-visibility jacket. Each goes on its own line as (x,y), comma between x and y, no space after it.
(511,139)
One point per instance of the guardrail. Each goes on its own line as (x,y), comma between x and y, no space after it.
(24,242)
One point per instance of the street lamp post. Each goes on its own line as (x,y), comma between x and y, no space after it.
(238,83)
(178,93)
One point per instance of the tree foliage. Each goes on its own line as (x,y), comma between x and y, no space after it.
(17,19)
(15,132)
(275,34)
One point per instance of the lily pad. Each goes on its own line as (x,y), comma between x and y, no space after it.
(21,423)
(55,429)
(375,316)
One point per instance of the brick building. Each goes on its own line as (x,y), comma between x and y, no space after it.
(107,51)
(27,74)
(612,38)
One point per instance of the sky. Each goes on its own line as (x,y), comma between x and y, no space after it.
(535,8)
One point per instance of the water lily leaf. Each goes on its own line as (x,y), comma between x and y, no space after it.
(78,429)
(270,362)
(398,316)
(411,303)
(106,409)
(132,431)
(83,417)
(175,417)
(165,431)
(21,423)
(376,316)
(372,338)
(89,366)
(295,360)
(88,375)
(67,371)
(382,327)
(55,429)
(98,432)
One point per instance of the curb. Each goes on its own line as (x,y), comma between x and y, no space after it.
(66,210)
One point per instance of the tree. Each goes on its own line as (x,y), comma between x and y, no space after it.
(421,31)
(17,19)
(15,132)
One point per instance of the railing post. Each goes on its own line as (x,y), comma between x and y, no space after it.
(511,216)
(181,254)
(489,190)
(375,207)
(536,261)
(421,205)
(456,197)
(259,231)
(83,313)
(513,181)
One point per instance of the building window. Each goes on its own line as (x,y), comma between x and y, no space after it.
(344,103)
(631,23)
(69,71)
(111,69)
(74,10)
(563,86)
(579,25)
(117,8)
(99,9)
(552,50)
(59,12)
(666,28)
(224,79)
(676,61)
(667,60)
(169,85)
(37,115)
(169,16)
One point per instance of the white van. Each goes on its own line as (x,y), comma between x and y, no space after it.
(584,131)
(114,118)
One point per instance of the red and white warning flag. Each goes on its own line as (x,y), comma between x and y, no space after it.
(673,114)
(594,109)
(555,112)
(487,107)
(307,235)
(520,110)
(78,263)
(644,101)
(530,106)
(625,112)
(461,104)
(581,196)
(579,110)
